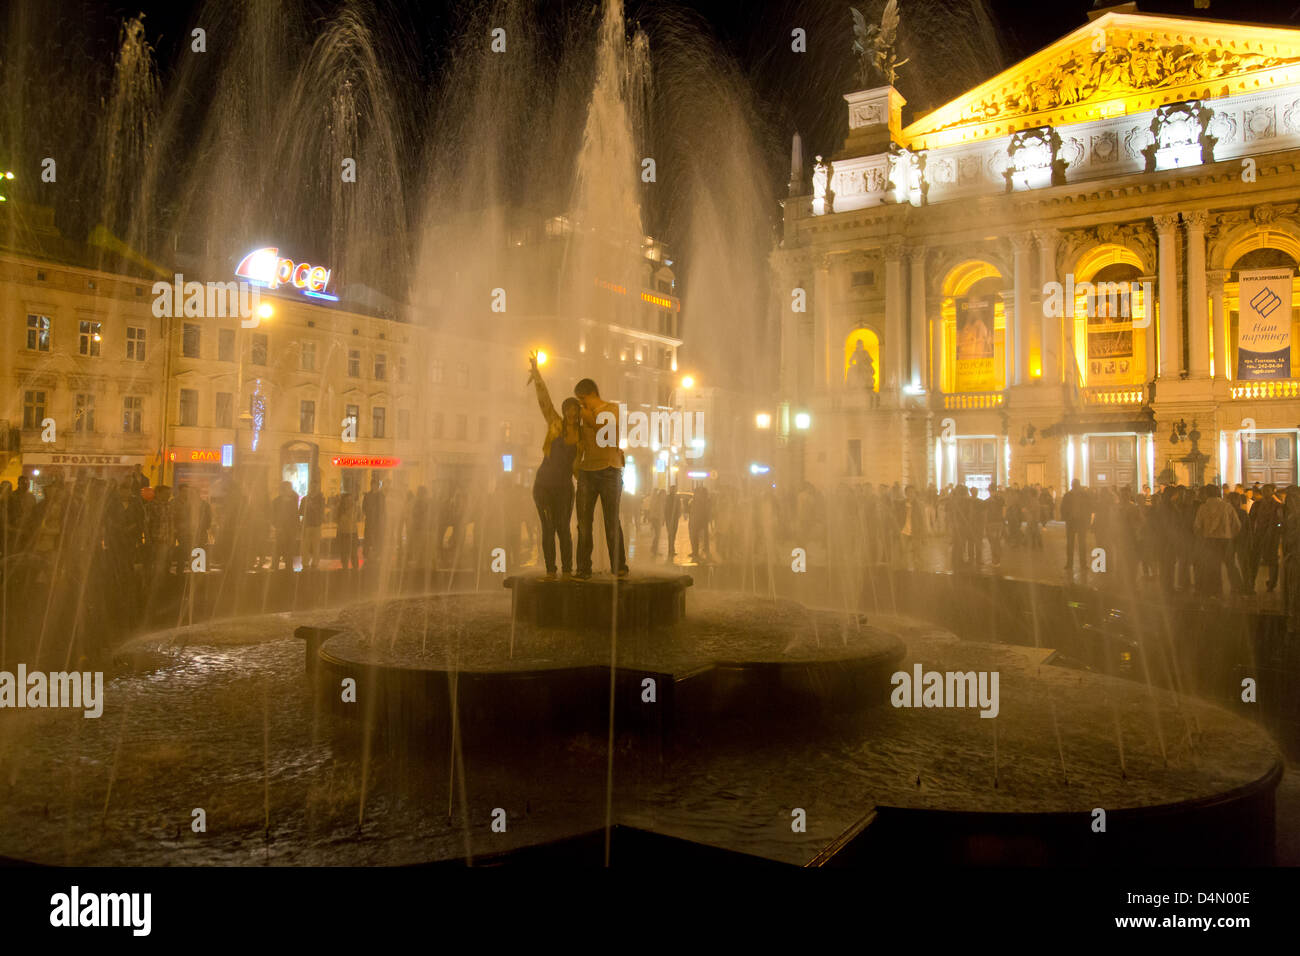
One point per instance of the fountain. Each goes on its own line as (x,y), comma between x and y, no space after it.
(607,719)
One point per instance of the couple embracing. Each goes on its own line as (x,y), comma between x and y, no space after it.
(570,448)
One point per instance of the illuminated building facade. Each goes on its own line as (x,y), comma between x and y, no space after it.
(336,384)
(1064,273)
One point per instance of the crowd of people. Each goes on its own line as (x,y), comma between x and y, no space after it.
(134,536)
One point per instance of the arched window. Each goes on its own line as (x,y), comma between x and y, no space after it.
(1110,350)
(974,329)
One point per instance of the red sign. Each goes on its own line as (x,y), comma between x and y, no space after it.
(364,461)
(195,454)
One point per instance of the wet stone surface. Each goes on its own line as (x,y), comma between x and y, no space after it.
(220,716)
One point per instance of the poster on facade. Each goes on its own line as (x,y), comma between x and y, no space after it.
(1264,324)
(975,372)
(1110,354)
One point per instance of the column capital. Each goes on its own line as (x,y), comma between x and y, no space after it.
(1165,223)
(1196,220)
(1046,237)
(895,248)
(1021,241)
(1217,277)
(917,253)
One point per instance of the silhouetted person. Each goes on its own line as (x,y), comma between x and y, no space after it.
(553,484)
(1216,525)
(372,508)
(600,476)
(672,514)
(284,516)
(1076,511)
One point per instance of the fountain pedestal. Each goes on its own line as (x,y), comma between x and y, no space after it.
(639,603)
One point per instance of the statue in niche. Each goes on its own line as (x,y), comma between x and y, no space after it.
(861,373)
(875,47)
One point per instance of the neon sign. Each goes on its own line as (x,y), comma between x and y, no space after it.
(364,461)
(265,267)
(194,454)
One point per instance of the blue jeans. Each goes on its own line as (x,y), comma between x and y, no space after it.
(607,485)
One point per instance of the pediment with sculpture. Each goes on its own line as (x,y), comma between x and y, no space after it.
(1115,58)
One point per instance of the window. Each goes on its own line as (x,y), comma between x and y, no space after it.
(401,369)
(190,340)
(462,375)
(261,344)
(378,415)
(462,427)
(135,343)
(33,409)
(132,413)
(91,334)
(307,357)
(381,366)
(354,415)
(482,428)
(85,418)
(307,417)
(437,424)
(189,406)
(403,423)
(435,371)
(225,417)
(226,345)
(38,333)
(354,363)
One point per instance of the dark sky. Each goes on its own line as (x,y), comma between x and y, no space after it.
(953,44)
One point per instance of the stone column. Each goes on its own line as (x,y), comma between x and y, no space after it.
(784,297)
(1053,325)
(1009,337)
(1171,340)
(938,355)
(1198,329)
(895,324)
(822,378)
(1022,244)
(916,267)
(1152,283)
(1219,321)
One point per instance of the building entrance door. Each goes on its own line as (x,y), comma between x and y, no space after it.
(977,463)
(1269,459)
(1112,461)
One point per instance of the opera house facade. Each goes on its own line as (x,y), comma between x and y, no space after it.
(1085,267)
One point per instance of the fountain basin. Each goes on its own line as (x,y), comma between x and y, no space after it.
(548,673)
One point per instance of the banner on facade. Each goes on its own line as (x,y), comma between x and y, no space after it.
(975,371)
(1264,324)
(1110,336)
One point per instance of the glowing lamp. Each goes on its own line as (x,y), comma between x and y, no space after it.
(763,420)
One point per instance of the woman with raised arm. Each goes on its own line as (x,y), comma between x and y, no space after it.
(553,486)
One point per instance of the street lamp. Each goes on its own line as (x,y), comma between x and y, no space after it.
(802,421)
(763,420)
